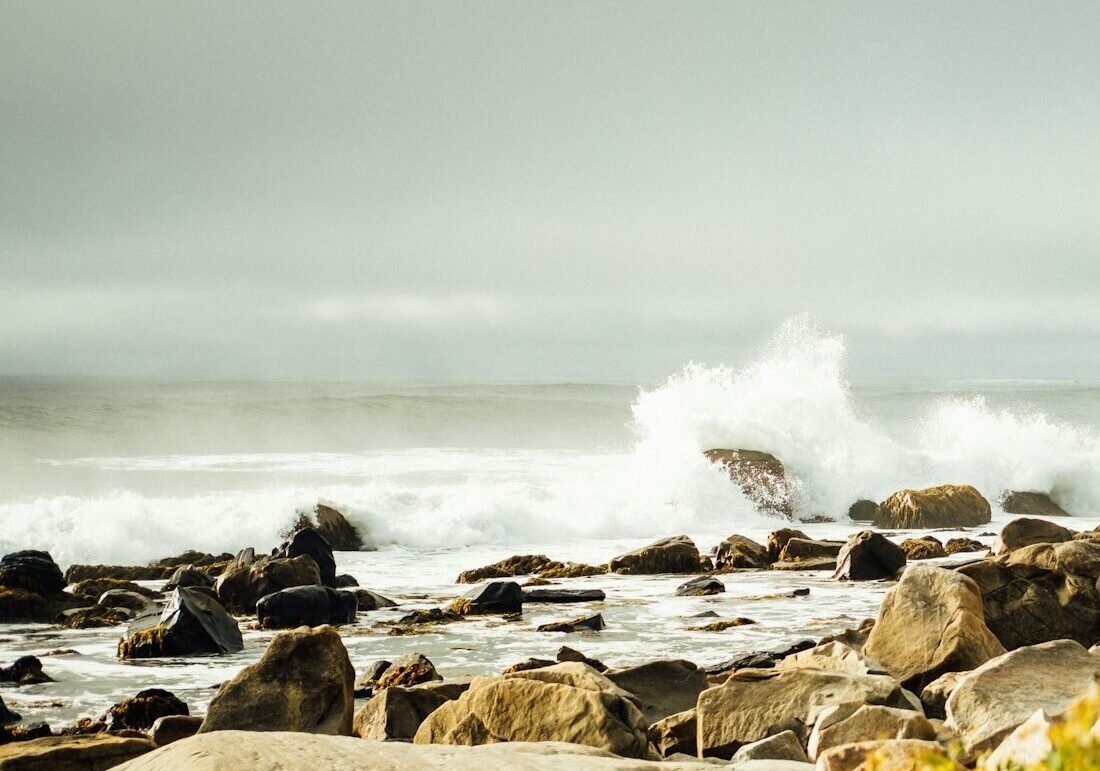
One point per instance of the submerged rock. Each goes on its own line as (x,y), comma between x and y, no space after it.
(761,477)
(516,565)
(676,554)
(303,682)
(25,670)
(700,587)
(494,597)
(869,556)
(192,623)
(593,623)
(943,506)
(1032,504)
(558,596)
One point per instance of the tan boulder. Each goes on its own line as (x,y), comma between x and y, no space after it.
(761,477)
(302,682)
(888,755)
(927,547)
(777,539)
(674,734)
(853,723)
(931,623)
(782,746)
(990,702)
(676,554)
(943,506)
(934,695)
(832,656)
(753,704)
(95,752)
(1029,743)
(1027,531)
(737,551)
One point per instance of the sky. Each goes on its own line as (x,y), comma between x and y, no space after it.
(594,190)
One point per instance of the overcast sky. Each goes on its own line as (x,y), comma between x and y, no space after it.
(554,189)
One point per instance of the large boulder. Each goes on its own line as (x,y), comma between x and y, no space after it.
(96,752)
(832,656)
(25,670)
(303,682)
(674,734)
(306,606)
(565,702)
(737,551)
(1031,504)
(1040,593)
(761,477)
(187,576)
(34,571)
(943,506)
(395,714)
(782,746)
(491,598)
(863,510)
(869,556)
(886,755)
(661,688)
(307,541)
(988,703)
(334,527)
(557,596)
(929,624)
(676,554)
(244,582)
(851,723)
(141,711)
(754,704)
(192,623)
(1027,531)
(778,539)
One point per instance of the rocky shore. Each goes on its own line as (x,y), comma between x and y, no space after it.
(981,655)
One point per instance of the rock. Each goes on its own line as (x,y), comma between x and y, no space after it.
(306,606)
(302,682)
(1028,744)
(700,587)
(674,734)
(661,688)
(1032,504)
(244,582)
(95,617)
(120,598)
(853,723)
(761,477)
(784,745)
(72,753)
(78,573)
(573,570)
(737,551)
(34,571)
(566,653)
(7,716)
(340,534)
(346,581)
(395,714)
(305,752)
(761,659)
(492,598)
(527,664)
(957,545)
(724,624)
(943,506)
(934,695)
(410,669)
(863,510)
(563,595)
(1026,531)
(566,702)
(516,565)
(593,623)
(929,624)
(172,728)
(192,623)
(25,670)
(369,600)
(309,542)
(93,588)
(676,554)
(868,556)
(777,539)
(754,704)
(1040,593)
(833,656)
(990,702)
(809,549)
(367,682)
(188,575)
(888,755)
(193,557)
(821,563)
(926,547)
(142,710)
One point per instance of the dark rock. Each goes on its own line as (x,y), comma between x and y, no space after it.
(368,681)
(528,664)
(187,576)
(572,570)
(869,556)
(700,587)
(563,595)
(924,548)
(142,710)
(340,534)
(566,653)
(396,713)
(956,545)
(172,728)
(29,731)
(663,688)
(1032,504)
(95,617)
(6,715)
(244,582)
(592,623)
(410,669)
(25,670)
(1026,531)
(34,571)
(778,539)
(766,659)
(863,511)
(306,606)
(761,477)
(369,600)
(943,506)
(737,551)
(193,557)
(344,581)
(676,554)
(77,573)
(192,623)
(429,616)
(493,597)
(93,588)
(308,541)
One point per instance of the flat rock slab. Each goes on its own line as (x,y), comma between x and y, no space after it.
(72,753)
(563,595)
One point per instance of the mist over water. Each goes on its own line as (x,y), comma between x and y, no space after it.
(125,471)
